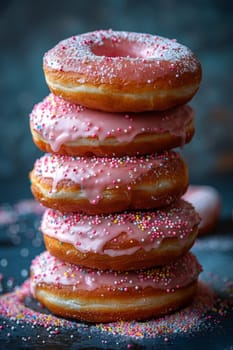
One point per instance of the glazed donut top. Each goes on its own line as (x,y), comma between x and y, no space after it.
(144,58)
(148,229)
(46,269)
(59,122)
(95,174)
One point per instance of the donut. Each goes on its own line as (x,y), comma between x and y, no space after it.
(104,185)
(91,295)
(121,241)
(206,200)
(62,127)
(119,71)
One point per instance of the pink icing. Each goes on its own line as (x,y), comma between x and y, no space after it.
(95,174)
(47,269)
(150,228)
(59,122)
(206,200)
(111,55)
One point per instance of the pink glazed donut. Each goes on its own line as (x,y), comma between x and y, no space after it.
(93,295)
(206,200)
(120,71)
(123,241)
(62,127)
(100,185)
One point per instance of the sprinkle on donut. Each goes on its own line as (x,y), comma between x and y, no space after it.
(122,241)
(96,295)
(91,233)
(50,270)
(66,128)
(109,184)
(122,71)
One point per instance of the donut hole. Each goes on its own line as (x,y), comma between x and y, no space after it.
(122,49)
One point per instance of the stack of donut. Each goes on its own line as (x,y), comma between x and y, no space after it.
(116,229)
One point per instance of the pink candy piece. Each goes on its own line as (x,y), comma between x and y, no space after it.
(206,200)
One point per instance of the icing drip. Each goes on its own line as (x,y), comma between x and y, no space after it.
(60,122)
(95,174)
(149,229)
(47,269)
